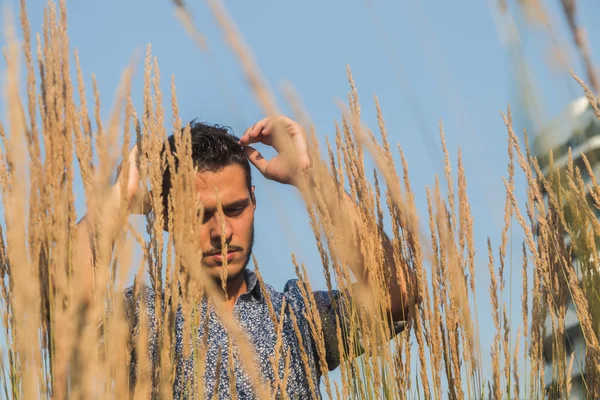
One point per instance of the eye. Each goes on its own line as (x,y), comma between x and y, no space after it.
(234,212)
(206,217)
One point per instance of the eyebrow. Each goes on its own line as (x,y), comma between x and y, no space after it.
(236,204)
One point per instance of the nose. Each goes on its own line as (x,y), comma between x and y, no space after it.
(220,226)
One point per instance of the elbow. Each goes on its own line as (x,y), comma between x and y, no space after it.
(401,306)
(406,301)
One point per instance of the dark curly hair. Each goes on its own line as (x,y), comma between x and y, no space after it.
(214,147)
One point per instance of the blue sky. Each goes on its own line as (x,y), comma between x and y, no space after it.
(444,59)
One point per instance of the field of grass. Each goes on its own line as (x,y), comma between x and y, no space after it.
(61,342)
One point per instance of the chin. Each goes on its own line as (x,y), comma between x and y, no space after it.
(233,271)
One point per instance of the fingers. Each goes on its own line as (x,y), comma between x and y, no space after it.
(142,203)
(263,130)
(254,134)
(294,140)
(281,120)
(147,203)
(257,160)
(250,139)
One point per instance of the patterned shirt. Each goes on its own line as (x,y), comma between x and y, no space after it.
(252,314)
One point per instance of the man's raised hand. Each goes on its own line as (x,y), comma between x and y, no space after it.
(289,140)
(137,197)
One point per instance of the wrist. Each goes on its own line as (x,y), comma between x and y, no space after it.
(116,198)
(304,179)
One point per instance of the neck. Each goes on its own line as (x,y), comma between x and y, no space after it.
(235,288)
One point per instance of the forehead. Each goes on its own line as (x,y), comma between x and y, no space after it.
(229,182)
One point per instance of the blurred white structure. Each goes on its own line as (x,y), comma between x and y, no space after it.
(576,128)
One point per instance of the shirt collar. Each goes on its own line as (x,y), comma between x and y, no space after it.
(252,284)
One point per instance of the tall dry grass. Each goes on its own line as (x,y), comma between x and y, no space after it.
(65,325)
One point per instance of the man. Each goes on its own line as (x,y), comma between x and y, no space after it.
(223,166)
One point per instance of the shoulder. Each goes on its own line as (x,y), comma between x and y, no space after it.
(294,292)
(144,293)
(301,295)
(136,298)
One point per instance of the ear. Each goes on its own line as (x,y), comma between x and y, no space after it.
(253,197)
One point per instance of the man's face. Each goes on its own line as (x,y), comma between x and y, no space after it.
(235,224)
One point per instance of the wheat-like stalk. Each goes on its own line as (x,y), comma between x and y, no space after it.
(69,334)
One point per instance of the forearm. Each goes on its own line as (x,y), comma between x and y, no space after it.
(109,222)
(397,282)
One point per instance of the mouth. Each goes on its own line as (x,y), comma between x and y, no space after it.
(219,256)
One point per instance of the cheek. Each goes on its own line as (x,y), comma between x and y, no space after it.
(203,234)
(243,226)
